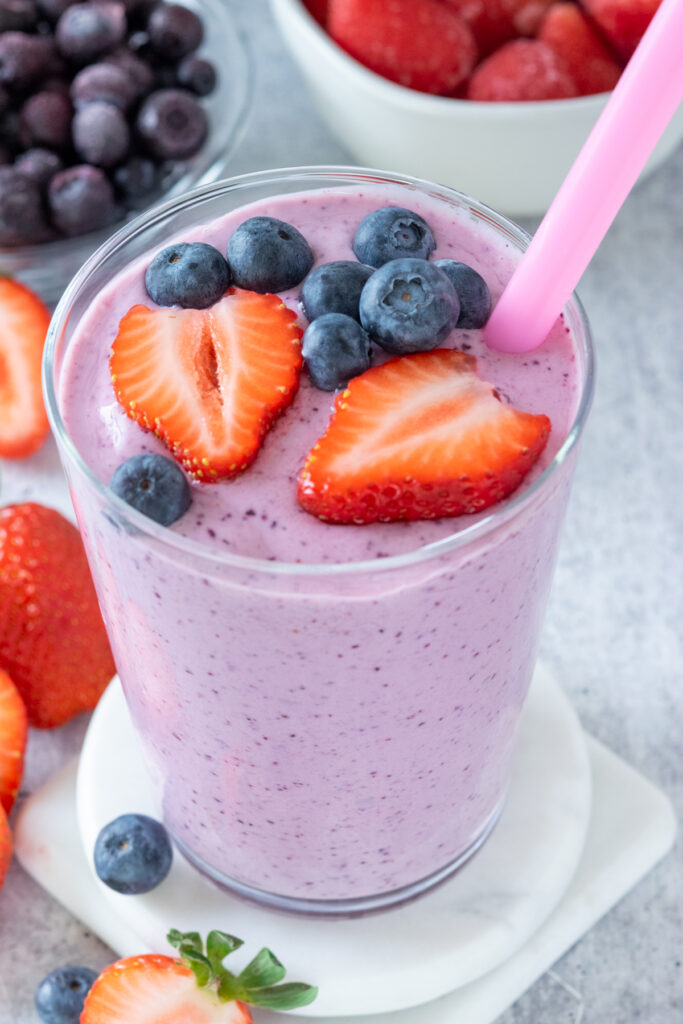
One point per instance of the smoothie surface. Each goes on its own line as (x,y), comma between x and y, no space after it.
(257,514)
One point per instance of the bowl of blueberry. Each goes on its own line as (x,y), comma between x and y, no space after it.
(106,107)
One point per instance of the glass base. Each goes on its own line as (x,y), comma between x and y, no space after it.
(352,907)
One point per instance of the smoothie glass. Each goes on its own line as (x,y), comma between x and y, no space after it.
(327,738)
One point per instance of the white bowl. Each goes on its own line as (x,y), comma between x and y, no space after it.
(513,156)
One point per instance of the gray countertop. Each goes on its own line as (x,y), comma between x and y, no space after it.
(614,631)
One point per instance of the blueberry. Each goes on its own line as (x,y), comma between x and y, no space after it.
(190,274)
(409,305)
(172,124)
(46,120)
(197,75)
(54,9)
(473,292)
(154,485)
(23,59)
(100,134)
(40,165)
(139,74)
(392,233)
(335,348)
(18,15)
(136,179)
(85,31)
(334,288)
(174,31)
(22,221)
(133,854)
(81,199)
(103,83)
(268,255)
(60,995)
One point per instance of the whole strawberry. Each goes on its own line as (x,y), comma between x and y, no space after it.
(52,638)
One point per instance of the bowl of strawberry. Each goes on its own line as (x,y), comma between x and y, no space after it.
(492,97)
(106,106)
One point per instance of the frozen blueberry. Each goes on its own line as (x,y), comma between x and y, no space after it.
(87,30)
(133,854)
(473,292)
(46,120)
(197,75)
(174,31)
(100,134)
(22,221)
(334,288)
(81,199)
(172,124)
(103,83)
(268,255)
(392,233)
(154,485)
(18,15)
(139,74)
(191,274)
(40,165)
(54,9)
(136,179)
(335,348)
(409,305)
(23,59)
(60,995)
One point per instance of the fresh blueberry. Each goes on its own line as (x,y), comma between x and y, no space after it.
(197,75)
(81,199)
(473,292)
(23,59)
(172,124)
(409,305)
(336,348)
(103,83)
(268,255)
(136,179)
(46,120)
(190,274)
(133,854)
(139,74)
(334,288)
(22,221)
(174,31)
(40,165)
(60,995)
(392,233)
(18,15)
(154,485)
(85,31)
(101,135)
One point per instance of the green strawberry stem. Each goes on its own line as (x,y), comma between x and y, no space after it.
(256,984)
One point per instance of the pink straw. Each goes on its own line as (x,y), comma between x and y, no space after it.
(603,174)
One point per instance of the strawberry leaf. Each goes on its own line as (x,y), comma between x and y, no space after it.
(193,940)
(283,997)
(219,945)
(198,964)
(265,969)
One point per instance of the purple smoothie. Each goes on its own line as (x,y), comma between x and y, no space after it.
(340,732)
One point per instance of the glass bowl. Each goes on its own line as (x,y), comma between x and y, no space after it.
(47,268)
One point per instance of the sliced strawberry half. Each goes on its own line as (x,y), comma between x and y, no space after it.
(419,438)
(154,989)
(209,382)
(13,731)
(24,321)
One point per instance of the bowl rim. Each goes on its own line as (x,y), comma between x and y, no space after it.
(422,102)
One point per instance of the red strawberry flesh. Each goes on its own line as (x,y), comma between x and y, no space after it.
(13,729)
(24,321)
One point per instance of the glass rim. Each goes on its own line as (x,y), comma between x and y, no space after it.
(141,525)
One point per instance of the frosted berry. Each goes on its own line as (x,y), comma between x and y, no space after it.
(172,124)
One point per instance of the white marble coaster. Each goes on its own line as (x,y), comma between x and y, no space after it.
(631,827)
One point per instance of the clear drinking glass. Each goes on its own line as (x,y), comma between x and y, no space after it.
(285,772)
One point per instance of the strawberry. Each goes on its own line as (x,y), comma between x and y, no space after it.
(419,437)
(209,382)
(567,31)
(193,989)
(525,69)
(24,321)
(12,741)
(421,44)
(623,22)
(5,845)
(52,638)
(318,9)
(494,22)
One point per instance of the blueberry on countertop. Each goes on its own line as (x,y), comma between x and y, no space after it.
(189,274)
(334,288)
(133,854)
(392,233)
(268,255)
(335,349)
(154,485)
(473,292)
(409,305)
(60,995)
